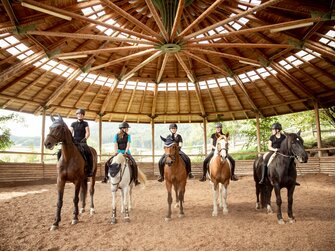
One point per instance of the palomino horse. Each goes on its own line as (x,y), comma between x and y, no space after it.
(119,173)
(70,168)
(219,174)
(281,173)
(175,175)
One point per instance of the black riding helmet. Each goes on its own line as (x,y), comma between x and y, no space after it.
(173,125)
(81,111)
(276,126)
(124,125)
(218,125)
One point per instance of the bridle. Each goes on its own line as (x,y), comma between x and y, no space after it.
(121,175)
(168,155)
(57,138)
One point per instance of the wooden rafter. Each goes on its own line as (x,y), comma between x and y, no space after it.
(162,68)
(177,19)
(157,19)
(184,66)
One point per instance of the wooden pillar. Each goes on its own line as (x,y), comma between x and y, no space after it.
(153,144)
(205,134)
(318,130)
(100,137)
(258,133)
(43,137)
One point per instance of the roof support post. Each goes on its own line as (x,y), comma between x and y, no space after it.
(318,130)
(258,133)
(205,134)
(42,139)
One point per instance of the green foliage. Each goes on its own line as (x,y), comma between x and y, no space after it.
(5,141)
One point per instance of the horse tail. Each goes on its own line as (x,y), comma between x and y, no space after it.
(141,176)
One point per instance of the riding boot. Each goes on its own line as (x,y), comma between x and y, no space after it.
(204,171)
(161,169)
(263,174)
(134,170)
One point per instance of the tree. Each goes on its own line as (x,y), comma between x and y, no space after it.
(5,141)
(329,114)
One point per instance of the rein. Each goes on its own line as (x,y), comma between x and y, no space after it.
(286,156)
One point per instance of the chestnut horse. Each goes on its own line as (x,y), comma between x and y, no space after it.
(175,175)
(219,174)
(70,167)
(282,173)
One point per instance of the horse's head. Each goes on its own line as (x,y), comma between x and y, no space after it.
(222,146)
(171,149)
(114,167)
(56,132)
(295,145)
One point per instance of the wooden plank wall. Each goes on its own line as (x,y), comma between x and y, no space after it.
(11,172)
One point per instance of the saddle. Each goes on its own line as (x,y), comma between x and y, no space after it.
(86,154)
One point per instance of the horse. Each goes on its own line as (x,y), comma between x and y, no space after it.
(219,174)
(282,173)
(119,173)
(175,175)
(70,167)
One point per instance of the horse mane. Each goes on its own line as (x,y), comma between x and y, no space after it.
(119,159)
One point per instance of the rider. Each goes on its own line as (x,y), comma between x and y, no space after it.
(273,145)
(214,138)
(122,142)
(179,140)
(81,132)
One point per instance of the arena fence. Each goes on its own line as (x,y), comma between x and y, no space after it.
(15,172)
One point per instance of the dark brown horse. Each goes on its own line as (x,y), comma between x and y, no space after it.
(281,173)
(175,175)
(70,167)
(219,173)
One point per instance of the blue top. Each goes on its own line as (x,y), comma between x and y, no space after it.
(119,150)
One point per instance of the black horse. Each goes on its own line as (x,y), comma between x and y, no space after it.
(281,173)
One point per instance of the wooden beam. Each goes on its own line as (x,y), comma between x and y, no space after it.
(236,45)
(108,96)
(161,71)
(184,66)
(130,18)
(157,19)
(90,20)
(122,59)
(232,18)
(154,102)
(198,93)
(177,19)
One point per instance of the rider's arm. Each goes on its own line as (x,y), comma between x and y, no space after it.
(212,144)
(115,143)
(87,132)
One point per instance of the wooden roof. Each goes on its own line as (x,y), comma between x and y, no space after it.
(167,60)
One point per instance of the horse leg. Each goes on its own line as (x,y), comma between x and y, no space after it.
(224,194)
(124,196)
(215,204)
(83,193)
(290,192)
(130,197)
(169,200)
(176,189)
(181,200)
(60,188)
(75,202)
(268,194)
(92,190)
(258,205)
(113,207)
(279,202)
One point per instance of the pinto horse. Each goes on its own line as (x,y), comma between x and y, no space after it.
(282,173)
(70,167)
(175,175)
(119,173)
(219,173)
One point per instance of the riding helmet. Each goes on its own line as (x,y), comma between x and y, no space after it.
(173,125)
(124,125)
(81,111)
(276,126)
(218,125)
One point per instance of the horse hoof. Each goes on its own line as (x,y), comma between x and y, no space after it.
(127,219)
(258,206)
(181,215)
(176,206)
(74,222)
(225,211)
(82,210)
(114,221)
(281,222)
(167,218)
(92,211)
(214,214)
(269,209)
(291,220)
(53,228)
